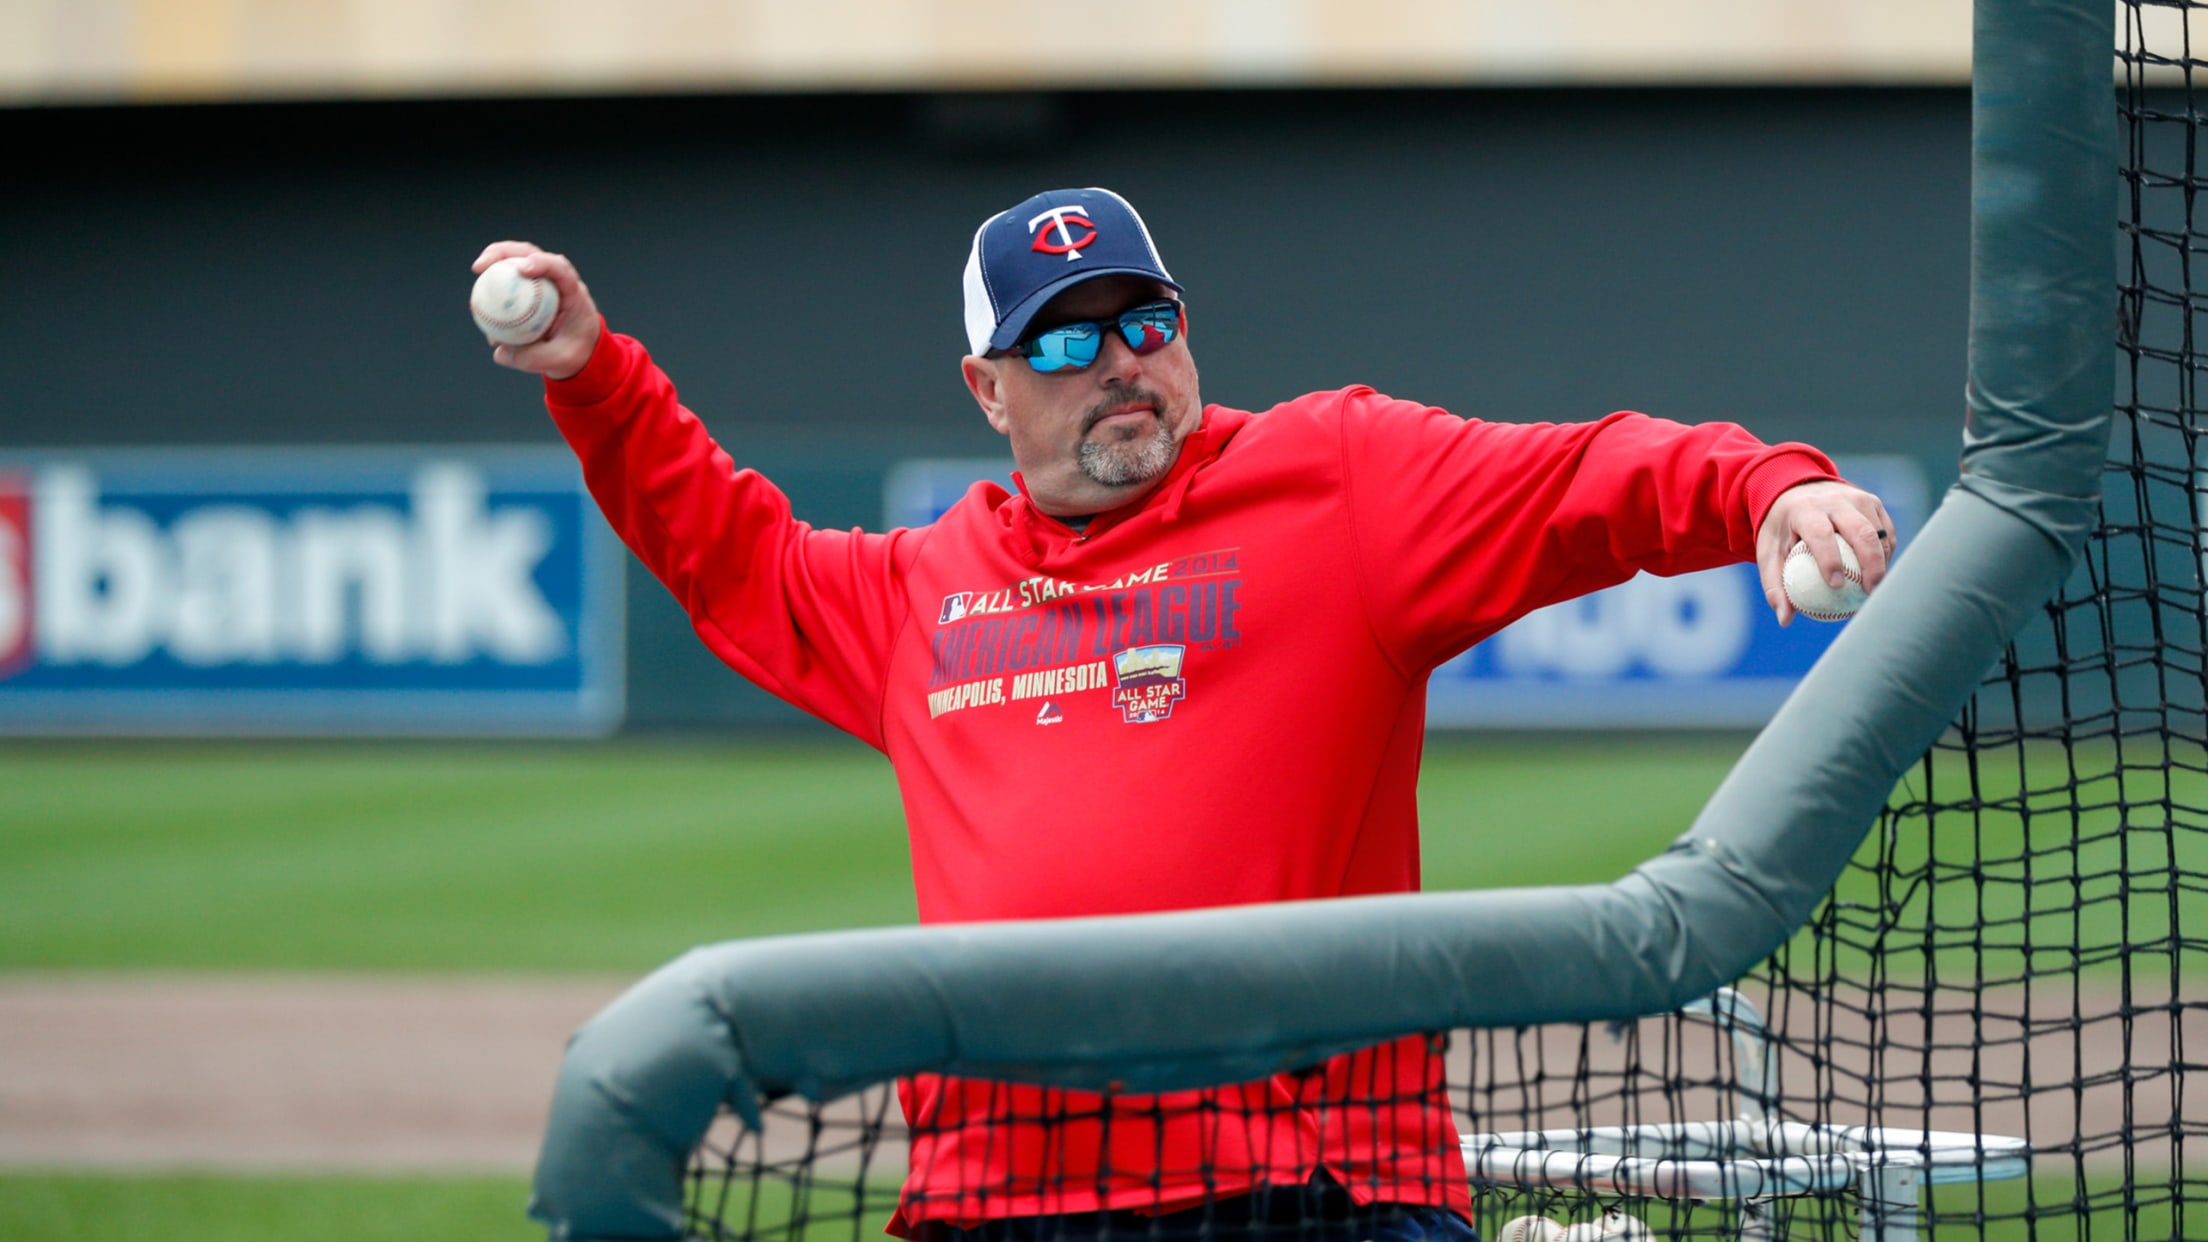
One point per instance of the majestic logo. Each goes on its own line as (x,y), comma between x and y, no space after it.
(954,607)
(1148,682)
(1059,237)
(15,575)
(1049,714)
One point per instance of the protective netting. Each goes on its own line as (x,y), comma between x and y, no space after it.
(1985,1033)
(1688,1126)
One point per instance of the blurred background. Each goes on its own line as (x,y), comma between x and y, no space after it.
(247,225)
(325,682)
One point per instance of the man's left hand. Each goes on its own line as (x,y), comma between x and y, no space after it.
(1821,514)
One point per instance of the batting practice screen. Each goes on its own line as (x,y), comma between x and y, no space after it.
(1983,1032)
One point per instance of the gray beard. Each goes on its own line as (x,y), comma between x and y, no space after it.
(1128,461)
(1123,462)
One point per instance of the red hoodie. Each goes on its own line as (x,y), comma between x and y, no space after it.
(1213,696)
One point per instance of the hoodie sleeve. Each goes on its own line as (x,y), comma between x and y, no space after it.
(809,615)
(1463,526)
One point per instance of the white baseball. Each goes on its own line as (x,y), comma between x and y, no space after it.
(1816,599)
(513,309)
(1529,1229)
(1623,1227)
(1615,1226)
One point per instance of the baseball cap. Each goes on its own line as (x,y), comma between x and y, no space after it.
(1026,255)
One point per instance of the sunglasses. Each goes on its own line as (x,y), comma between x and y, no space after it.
(1075,346)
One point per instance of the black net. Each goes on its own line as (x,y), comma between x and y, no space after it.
(1689,1125)
(955,1159)
(1985,1033)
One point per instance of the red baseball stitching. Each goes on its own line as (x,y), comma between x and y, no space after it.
(1814,614)
(536,299)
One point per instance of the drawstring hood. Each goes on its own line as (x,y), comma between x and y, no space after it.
(1037,539)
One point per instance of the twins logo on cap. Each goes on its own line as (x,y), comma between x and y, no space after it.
(1059,238)
(1026,255)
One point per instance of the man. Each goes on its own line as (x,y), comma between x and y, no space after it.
(1184,666)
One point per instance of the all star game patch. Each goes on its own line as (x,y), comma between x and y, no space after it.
(1149,682)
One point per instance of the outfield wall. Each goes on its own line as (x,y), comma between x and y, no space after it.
(293,275)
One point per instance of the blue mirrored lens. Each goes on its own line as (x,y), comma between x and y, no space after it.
(1073,346)
(1070,347)
(1150,327)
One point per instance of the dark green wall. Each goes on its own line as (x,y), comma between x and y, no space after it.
(1795,260)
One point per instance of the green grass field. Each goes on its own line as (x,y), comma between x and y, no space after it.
(617,857)
(2075,862)
(77,1208)
(467,858)
(199,1208)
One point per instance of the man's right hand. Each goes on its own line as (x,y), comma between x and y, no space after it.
(574,334)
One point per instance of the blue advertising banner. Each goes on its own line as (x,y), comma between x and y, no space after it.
(1696,650)
(374,591)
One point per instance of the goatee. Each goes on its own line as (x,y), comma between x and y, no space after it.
(1123,462)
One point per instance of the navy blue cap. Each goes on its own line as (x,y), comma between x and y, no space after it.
(1029,254)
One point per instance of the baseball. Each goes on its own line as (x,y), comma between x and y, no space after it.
(1529,1229)
(1812,596)
(1613,1227)
(1623,1227)
(512,309)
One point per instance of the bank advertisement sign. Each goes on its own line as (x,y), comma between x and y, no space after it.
(376,591)
(1696,650)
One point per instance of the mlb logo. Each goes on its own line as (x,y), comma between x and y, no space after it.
(954,607)
(15,573)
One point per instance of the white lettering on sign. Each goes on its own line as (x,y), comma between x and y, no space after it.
(480,595)
(1698,625)
(100,598)
(350,563)
(449,580)
(227,579)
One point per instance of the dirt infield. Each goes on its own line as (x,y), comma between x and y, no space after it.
(295,1074)
(455,1074)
